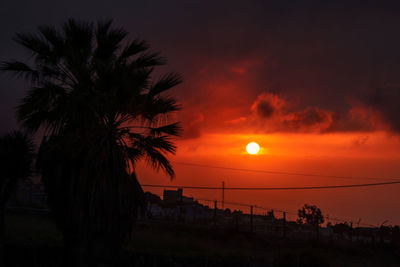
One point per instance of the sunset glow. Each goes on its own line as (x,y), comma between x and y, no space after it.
(362,154)
(214,113)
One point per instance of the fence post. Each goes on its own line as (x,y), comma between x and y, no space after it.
(351,231)
(272,221)
(251,218)
(266,220)
(215,212)
(284,224)
(180,219)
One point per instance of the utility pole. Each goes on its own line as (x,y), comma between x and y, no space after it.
(223,194)
(381,231)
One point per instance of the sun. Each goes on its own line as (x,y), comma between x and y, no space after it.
(252,148)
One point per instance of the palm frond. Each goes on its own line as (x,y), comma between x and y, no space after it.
(146,60)
(41,106)
(20,70)
(159,106)
(134,154)
(51,34)
(50,72)
(78,42)
(108,40)
(159,161)
(133,48)
(153,150)
(165,83)
(34,43)
(56,42)
(161,143)
(173,129)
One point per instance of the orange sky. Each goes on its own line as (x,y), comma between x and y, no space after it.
(372,154)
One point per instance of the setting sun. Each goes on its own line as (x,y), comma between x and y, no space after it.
(252,148)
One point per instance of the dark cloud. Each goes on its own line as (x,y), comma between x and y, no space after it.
(274,113)
(321,55)
(386,101)
(265,109)
(289,117)
(268,104)
(307,118)
(311,116)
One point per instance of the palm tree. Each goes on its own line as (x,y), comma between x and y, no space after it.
(16,157)
(94,96)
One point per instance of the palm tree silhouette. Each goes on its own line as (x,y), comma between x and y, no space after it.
(93,95)
(16,158)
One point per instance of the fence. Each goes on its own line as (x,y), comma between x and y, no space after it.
(239,216)
(268,221)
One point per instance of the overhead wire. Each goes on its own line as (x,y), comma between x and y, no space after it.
(272,188)
(286,173)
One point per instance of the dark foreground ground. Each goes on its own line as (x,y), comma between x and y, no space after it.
(33,240)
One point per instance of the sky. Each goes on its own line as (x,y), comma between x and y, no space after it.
(315,83)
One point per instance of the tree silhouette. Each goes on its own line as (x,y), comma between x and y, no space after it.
(94,96)
(312,215)
(16,158)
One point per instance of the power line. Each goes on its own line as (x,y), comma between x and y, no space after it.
(285,173)
(273,188)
